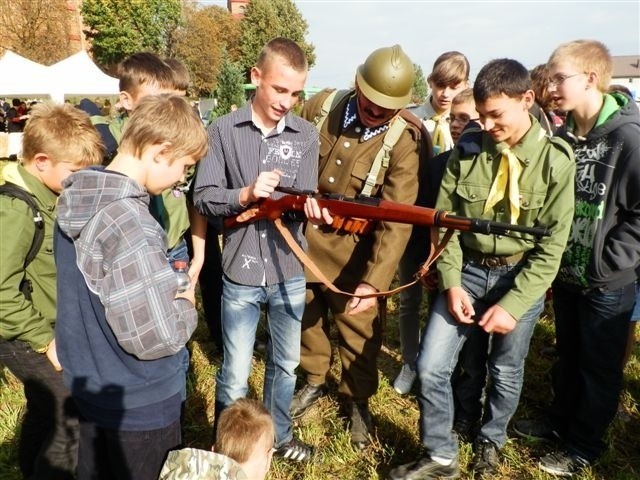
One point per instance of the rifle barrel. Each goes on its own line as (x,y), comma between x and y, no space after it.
(384,210)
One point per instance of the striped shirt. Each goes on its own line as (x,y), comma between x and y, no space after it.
(255,254)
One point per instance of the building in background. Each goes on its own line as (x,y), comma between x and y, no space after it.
(626,72)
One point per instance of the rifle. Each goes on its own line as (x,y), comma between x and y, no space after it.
(372,208)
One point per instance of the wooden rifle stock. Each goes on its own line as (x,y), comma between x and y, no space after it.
(372,208)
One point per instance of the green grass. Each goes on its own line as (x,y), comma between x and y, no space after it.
(395,417)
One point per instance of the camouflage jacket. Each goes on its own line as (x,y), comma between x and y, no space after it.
(195,464)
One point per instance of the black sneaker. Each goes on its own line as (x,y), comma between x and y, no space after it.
(360,425)
(296,451)
(562,463)
(486,458)
(305,398)
(531,429)
(424,469)
(466,428)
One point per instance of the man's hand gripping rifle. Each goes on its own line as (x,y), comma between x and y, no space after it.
(355,214)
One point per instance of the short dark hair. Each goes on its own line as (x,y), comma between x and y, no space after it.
(501,76)
(285,48)
(144,68)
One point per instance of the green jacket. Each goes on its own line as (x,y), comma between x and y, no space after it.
(547,198)
(29,321)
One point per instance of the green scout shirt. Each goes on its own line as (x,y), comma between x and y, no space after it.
(547,198)
(31,321)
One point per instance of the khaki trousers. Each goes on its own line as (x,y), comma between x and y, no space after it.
(359,342)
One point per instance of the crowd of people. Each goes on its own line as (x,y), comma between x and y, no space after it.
(95,324)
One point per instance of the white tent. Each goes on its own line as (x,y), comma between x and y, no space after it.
(21,77)
(78,75)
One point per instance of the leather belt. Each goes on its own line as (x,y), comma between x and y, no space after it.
(493,261)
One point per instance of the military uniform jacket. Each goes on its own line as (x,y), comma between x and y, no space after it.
(346,155)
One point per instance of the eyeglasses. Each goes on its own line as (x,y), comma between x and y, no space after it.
(462,119)
(559,79)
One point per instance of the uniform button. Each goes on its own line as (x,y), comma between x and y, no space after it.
(266,261)
(264,161)
(358,129)
(264,235)
(473,196)
(501,210)
(526,162)
(498,237)
(331,179)
(346,144)
(338,162)
(316,227)
(525,203)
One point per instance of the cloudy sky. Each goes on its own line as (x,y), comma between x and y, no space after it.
(345,32)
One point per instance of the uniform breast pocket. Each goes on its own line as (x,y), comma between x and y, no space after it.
(360,172)
(530,204)
(472,198)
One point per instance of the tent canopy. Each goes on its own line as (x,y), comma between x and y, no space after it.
(78,75)
(75,75)
(22,77)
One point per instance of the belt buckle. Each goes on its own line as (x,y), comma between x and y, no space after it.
(492,262)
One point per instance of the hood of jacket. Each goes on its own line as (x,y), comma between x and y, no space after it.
(617,110)
(90,190)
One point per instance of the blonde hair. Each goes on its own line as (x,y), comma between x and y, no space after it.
(465,96)
(62,132)
(240,427)
(449,69)
(165,118)
(587,56)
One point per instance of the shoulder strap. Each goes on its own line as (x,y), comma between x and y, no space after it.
(392,136)
(12,190)
(332,100)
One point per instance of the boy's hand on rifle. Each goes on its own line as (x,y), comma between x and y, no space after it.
(263,187)
(460,305)
(315,214)
(359,305)
(497,320)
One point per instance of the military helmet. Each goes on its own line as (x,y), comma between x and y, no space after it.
(386,77)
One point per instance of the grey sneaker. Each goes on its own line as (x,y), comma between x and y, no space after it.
(404,381)
(361,425)
(562,463)
(535,429)
(425,469)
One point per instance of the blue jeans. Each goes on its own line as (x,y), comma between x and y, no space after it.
(240,315)
(443,339)
(179,252)
(591,336)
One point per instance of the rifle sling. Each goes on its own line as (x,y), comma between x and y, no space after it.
(435,249)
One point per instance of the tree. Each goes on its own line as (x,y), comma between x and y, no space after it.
(419,93)
(119,28)
(266,19)
(37,29)
(229,90)
(200,42)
